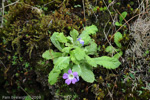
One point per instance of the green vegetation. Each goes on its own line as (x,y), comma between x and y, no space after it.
(105,43)
(79,59)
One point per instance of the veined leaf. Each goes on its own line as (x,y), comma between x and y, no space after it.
(91,49)
(118,24)
(87,74)
(66,49)
(117,37)
(77,68)
(111,49)
(90,30)
(55,41)
(74,34)
(66,69)
(91,61)
(79,53)
(53,75)
(50,54)
(73,58)
(118,55)
(70,39)
(61,63)
(108,62)
(61,38)
(122,16)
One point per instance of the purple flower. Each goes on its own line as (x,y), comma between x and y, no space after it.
(81,41)
(71,77)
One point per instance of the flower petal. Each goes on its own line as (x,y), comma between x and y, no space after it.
(75,74)
(74,80)
(68,81)
(70,71)
(79,39)
(65,76)
(81,42)
(77,77)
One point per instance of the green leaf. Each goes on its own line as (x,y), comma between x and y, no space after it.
(28,98)
(118,55)
(87,75)
(74,34)
(108,62)
(90,30)
(73,58)
(61,38)
(77,68)
(66,49)
(111,49)
(132,75)
(50,54)
(124,14)
(61,63)
(55,41)
(45,8)
(79,53)
(86,32)
(91,49)
(117,37)
(146,53)
(77,6)
(91,61)
(118,24)
(70,39)
(66,69)
(52,78)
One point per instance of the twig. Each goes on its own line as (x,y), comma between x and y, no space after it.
(2,63)
(110,94)
(48,3)
(126,23)
(96,3)
(108,9)
(92,10)
(112,3)
(25,92)
(84,10)
(62,3)
(3,7)
(146,5)
(124,19)
(2,13)
(10,4)
(108,39)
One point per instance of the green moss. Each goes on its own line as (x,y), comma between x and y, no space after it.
(27,27)
(27,32)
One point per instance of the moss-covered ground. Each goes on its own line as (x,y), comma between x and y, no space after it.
(25,35)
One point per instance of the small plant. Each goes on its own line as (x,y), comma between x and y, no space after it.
(110,49)
(14,62)
(76,6)
(121,17)
(75,54)
(26,64)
